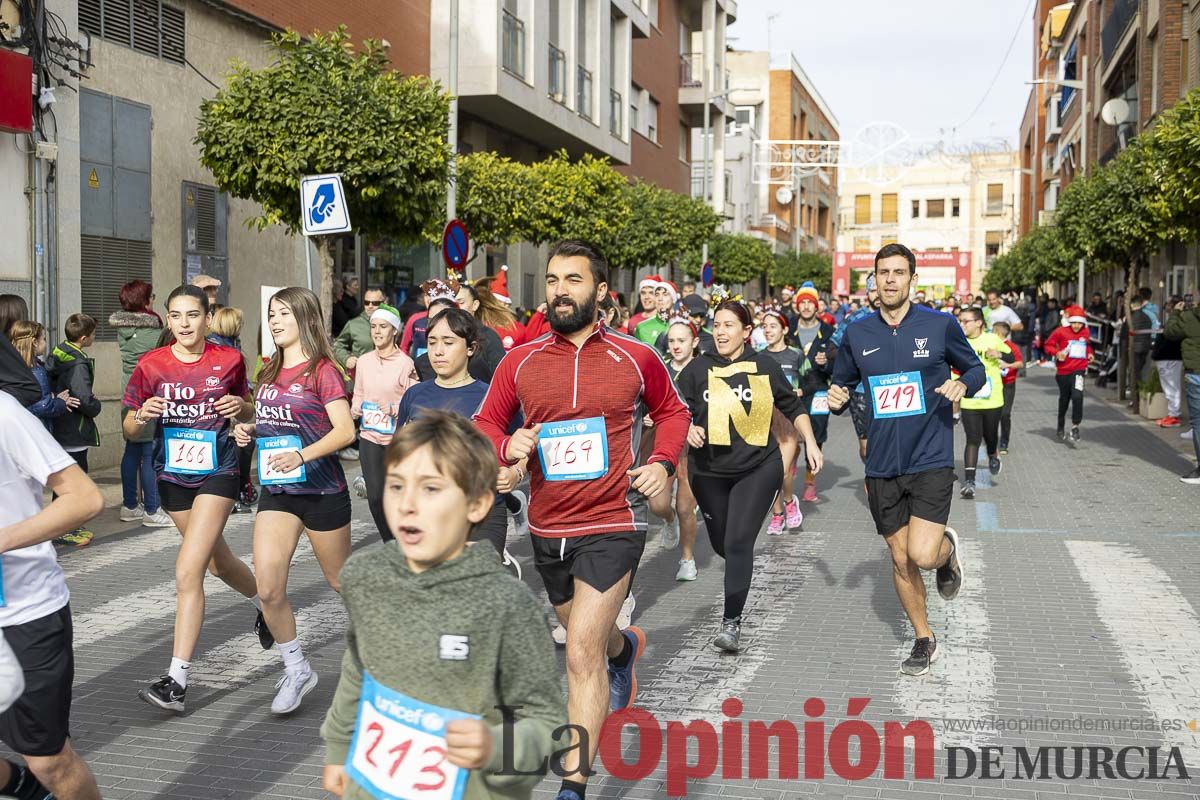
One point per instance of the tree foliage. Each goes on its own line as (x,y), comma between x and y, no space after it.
(582,199)
(794,267)
(662,227)
(736,258)
(1172,147)
(494,197)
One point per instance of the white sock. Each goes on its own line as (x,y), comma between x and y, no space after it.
(179,671)
(293,656)
(257,602)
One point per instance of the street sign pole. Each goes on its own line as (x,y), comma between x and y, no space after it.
(451,192)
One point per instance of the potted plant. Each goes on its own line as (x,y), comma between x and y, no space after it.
(1153,402)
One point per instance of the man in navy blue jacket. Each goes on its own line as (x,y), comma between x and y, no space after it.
(903,355)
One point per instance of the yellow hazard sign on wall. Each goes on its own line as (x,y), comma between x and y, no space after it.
(93,180)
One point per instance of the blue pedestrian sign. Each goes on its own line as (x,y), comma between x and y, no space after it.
(455,244)
(323,205)
(706,274)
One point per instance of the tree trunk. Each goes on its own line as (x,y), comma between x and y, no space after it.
(1128,381)
(324,288)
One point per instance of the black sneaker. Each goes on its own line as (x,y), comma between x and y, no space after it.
(265,637)
(924,653)
(994,465)
(950,574)
(1192,477)
(729,639)
(1061,434)
(240,508)
(1075,434)
(25,785)
(968,490)
(164,693)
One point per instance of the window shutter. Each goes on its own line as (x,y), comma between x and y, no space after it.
(890,207)
(117,27)
(862,209)
(106,265)
(89,16)
(173,34)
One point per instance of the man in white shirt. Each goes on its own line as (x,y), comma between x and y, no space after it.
(35,611)
(995,311)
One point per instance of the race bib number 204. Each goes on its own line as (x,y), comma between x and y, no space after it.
(399,747)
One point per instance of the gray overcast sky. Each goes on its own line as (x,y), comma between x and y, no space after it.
(922,64)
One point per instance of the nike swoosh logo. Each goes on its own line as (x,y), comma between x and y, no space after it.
(868,352)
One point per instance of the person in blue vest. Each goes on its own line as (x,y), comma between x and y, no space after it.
(903,355)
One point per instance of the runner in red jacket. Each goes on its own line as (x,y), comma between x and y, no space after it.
(1071,348)
(583,390)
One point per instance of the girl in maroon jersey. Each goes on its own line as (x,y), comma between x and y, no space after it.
(302,420)
(195,390)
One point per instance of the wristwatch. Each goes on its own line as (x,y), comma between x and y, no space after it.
(669,467)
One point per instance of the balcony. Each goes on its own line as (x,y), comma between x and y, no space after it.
(512,50)
(616,106)
(558,75)
(691,69)
(583,92)
(1114,29)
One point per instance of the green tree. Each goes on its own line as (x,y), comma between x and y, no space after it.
(737,258)
(662,227)
(324,107)
(794,267)
(584,199)
(1172,146)
(494,198)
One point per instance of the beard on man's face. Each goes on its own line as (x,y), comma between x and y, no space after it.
(580,316)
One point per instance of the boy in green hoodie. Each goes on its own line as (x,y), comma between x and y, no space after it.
(449,684)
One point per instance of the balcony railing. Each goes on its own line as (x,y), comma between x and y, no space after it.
(558,75)
(512,51)
(691,69)
(583,91)
(1123,12)
(616,107)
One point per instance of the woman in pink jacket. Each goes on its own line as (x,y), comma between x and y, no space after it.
(380,380)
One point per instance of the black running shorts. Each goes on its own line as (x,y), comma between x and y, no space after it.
(600,560)
(180,498)
(38,723)
(925,495)
(318,512)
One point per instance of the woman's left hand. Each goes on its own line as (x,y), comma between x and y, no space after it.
(289,461)
(229,406)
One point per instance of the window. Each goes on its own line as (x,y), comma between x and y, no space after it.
(652,120)
(1068,71)
(635,102)
(862,209)
(995,199)
(147,26)
(890,210)
(935,208)
(1155,57)
(916,209)
(862,244)
(684,135)
(954,207)
(992,243)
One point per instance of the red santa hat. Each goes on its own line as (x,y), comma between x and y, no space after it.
(1075,314)
(650,282)
(499,286)
(671,290)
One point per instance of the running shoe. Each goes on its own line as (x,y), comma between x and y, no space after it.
(777,524)
(521,515)
(159,519)
(240,508)
(567,794)
(349,454)
(729,639)
(687,570)
(924,653)
(1004,448)
(810,493)
(795,517)
(622,681)
(1185,434)
(950,574)
(670,534)
(1075,434)
(968,490)
(510,561)
(360,486)
(25,785)
(266,639)
(164,693)
(559,635)
(626,616)
(78,538)
(131,514)
(249,495)
(1061,434)
(994,465)
(292,689)
(1169,422)
(1192,477)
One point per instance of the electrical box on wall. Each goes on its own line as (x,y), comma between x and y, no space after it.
(16,99)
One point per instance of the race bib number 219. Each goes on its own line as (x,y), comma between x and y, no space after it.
(900,394)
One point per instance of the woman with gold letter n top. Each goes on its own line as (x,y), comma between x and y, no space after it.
(734,465)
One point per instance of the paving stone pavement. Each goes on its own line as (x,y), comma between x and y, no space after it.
(1080,610)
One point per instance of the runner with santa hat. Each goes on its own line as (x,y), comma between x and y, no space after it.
(665,298)
(1071,348)
(649,307)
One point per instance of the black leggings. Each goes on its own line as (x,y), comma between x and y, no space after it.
(493,529)
(980,425)
(734,509)
(1010,395)
(1069,395)
(370,458)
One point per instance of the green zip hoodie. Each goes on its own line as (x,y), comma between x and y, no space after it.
(398,619)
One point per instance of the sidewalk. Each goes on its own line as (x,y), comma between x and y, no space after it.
(1170,436)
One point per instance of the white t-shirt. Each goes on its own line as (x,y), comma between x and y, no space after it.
(31,582)
(1001,314)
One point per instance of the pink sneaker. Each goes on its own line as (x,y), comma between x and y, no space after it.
(794,516)
(776,526)
(810,493)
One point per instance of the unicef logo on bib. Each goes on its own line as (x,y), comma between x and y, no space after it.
(574,450)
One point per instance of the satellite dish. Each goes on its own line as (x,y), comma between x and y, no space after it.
(783,196)
(1115,111)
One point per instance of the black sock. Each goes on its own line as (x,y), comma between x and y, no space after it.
(621,660)
(968,474)
(575,786)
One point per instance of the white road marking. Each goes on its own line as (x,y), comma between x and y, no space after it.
(104,555)
(1154,629)
(961,684)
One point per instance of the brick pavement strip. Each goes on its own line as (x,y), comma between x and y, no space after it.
(823,622)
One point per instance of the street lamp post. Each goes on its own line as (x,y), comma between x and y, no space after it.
(708,98)
(451,188)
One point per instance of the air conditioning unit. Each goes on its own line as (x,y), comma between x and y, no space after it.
(1053,123)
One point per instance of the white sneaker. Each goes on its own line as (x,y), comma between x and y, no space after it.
(12,676)
(687,570)
(132,514)
(521,517)
(360,486)
(559,635)
(158,519)
(670,534)
(350,454)
(1186,434)
(292,688)
(626,616)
